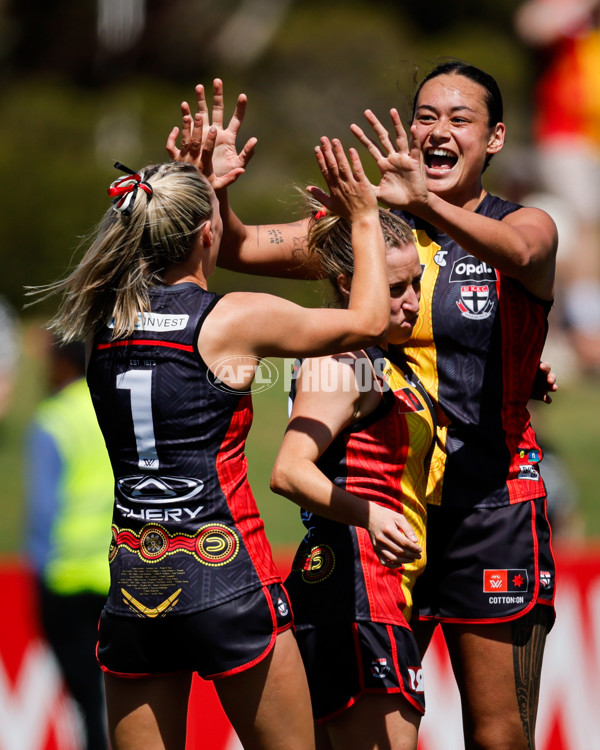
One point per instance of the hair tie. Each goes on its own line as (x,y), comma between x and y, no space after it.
(124,190)
(320,214)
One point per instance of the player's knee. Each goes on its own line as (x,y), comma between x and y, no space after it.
(500,734)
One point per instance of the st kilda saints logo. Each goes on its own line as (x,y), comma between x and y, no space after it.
(475,301)
(475,279)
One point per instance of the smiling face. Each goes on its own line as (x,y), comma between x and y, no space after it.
(452,124)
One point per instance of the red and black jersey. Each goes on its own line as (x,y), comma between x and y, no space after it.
(382,458)
(186,530)
(476,348)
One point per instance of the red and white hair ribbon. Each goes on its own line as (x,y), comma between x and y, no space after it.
(125,189)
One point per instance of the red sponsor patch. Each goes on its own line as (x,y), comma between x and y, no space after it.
(495,581)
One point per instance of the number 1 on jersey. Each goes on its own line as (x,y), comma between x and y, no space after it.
(139,383)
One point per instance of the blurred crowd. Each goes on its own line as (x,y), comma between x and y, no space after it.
(565,174)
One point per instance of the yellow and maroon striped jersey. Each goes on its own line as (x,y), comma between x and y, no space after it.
(476,348)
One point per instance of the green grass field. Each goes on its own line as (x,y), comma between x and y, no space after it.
(570,425)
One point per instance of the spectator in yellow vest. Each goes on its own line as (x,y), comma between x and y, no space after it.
(70,496)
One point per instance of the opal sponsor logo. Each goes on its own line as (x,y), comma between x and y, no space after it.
(527,471)
(471,269)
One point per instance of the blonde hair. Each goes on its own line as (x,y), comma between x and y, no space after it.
(330,239)
(129,253)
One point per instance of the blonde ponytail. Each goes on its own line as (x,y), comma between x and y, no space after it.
(130,251)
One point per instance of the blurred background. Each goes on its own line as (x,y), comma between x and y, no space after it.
(87,82)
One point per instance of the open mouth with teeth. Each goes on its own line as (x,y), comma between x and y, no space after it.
(440,159)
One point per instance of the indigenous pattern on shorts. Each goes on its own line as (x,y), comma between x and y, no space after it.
(476,349)
(186,530)
(384,459)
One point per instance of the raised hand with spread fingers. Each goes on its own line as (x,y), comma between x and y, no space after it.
(206,143)
(402,182)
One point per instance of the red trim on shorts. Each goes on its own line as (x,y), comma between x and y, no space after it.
(407,697)
(541,599)
(276,631)
(141,675)
(135,675)
(483,621)
(535,599)
(260,657)
(352,700)
(399,691)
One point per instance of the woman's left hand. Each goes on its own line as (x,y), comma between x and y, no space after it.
(393,538)
(544,383)
(402,182)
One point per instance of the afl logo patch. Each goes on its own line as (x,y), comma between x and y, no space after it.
(216,544)
(230,374)
(319,564)
(154,542)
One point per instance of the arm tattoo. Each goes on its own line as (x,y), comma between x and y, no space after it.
(275,236)
(299,248)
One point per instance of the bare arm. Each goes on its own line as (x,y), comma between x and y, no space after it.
(268,250)
(317,418)
(248,326)
(523,245)
(257,325)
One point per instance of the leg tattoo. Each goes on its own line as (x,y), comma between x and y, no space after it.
(529,638)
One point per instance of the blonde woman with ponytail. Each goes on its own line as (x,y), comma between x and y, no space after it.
(193,584)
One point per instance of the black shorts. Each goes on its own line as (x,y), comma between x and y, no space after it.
(215,642)
(486,564)
(346,660)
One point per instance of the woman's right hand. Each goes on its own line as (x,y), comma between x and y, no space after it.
(393,538)
(208,145)
(350,193)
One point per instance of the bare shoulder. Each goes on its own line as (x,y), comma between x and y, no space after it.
(345,382)
(535,217)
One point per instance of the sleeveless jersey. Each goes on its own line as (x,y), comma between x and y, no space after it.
(186,530)
(382,458)
(476,349)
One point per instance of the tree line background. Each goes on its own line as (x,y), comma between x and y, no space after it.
(88,82)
